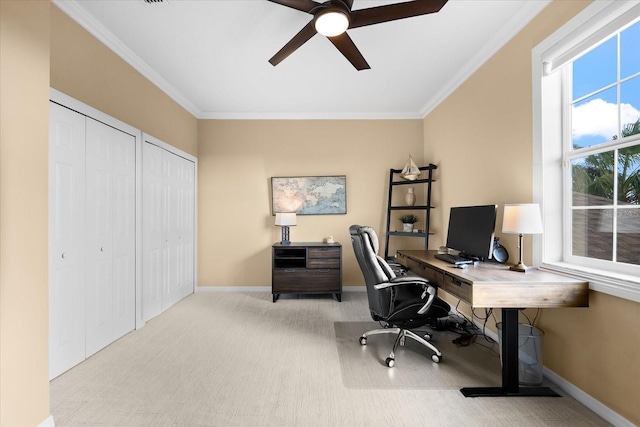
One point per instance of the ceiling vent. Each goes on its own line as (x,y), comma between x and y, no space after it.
(156,1)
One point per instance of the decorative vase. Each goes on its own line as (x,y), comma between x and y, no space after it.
(407,227)
(410,198)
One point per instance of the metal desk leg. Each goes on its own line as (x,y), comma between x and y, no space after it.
(510,381)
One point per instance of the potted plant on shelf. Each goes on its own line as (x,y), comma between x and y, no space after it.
(407,222)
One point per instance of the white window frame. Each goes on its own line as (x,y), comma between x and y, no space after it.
(595,23)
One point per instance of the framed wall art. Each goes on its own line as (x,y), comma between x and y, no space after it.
(309,195)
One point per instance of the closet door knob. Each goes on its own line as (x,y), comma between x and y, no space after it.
(64,255)
(102,249)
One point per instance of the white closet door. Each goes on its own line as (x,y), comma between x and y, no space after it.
(66,243)
(152,238)
(179,238)
(110,235)
(168,229)
(186,237)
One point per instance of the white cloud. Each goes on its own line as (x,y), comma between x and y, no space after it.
(600,118)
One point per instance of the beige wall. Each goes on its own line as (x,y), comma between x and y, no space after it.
(236,159)
(24,140)
(85,69)
(481,137)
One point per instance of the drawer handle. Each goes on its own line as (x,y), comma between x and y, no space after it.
(324,270)
(289,270)
(422,266)
(456,281)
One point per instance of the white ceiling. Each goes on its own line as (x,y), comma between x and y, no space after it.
(211,56)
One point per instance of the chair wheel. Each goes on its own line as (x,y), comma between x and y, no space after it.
(436,358)
(390,362)
(363,341)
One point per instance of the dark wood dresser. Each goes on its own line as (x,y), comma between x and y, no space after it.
(306,268)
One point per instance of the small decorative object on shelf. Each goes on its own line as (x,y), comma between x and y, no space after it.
(410,198)
(407,222)
(411,171)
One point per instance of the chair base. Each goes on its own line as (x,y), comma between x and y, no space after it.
(402,334)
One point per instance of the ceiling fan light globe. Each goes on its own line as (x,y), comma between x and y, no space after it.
(331,23)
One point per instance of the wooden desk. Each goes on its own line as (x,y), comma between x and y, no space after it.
(491,285)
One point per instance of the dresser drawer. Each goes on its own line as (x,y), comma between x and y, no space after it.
(324,252)
(325,280)
(306,280)
(323,263)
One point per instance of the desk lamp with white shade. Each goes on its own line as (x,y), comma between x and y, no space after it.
(521,219)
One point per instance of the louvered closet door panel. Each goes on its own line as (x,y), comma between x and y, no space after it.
(66,244)
(152,241)
(110,235)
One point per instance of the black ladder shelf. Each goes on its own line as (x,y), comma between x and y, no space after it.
(426,208)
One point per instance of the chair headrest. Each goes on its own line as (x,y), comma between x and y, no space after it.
(373,237)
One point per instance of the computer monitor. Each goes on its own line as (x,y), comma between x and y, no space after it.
(471,231)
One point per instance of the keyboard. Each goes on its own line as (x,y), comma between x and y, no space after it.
(453,259)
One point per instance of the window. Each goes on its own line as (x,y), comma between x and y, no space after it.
(587,145)
(603,153)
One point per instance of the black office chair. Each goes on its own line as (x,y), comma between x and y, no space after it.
(399,303)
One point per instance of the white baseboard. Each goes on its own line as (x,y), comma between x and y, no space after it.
(594,405)
(49,422)
(266,289)
(233,289)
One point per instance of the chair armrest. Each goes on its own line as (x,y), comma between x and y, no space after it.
(403,281)
(410,279)
(432,295)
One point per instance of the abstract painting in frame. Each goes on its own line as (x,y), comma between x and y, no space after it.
(309,195)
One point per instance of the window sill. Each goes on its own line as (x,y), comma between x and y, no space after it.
(618,285)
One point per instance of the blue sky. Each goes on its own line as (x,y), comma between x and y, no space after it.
(595,119)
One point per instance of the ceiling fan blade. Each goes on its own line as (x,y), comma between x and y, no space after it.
(347,3)
(302,5)
(392,12)
(298,40)
(345,45)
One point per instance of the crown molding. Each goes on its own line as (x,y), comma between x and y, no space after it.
(100,32)
(497,42)
(312,116)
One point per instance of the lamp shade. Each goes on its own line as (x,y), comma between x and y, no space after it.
(286,218)
(522,219)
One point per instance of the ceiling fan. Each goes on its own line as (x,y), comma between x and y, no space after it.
(333,17)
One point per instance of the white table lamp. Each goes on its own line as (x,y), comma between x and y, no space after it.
(285,220)
(521,219)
